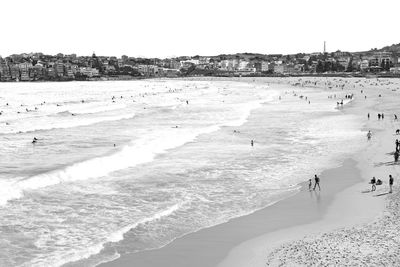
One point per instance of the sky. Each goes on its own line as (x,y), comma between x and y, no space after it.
(167,28)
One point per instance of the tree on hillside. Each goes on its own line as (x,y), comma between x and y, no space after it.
(350,66)
(320,67)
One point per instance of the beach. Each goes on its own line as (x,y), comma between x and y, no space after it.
(344,224)
(197,172)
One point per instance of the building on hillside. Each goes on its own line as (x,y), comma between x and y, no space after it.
(279,68)
(89,72)
(381,60)
(286,68)
(264,66)
(59,69)
(5,73)
(364,65)
(340,54)
(51,73)
(25,66)
(343,61)
(242,65)
(37,72)
(15,73)
(261,66)
(24,75)
(395,70)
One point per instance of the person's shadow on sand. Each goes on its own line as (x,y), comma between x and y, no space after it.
(316,194)
(382,194)
(389,163)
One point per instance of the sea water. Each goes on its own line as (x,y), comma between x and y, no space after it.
(125,166)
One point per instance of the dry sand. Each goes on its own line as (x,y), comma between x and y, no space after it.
(342,224)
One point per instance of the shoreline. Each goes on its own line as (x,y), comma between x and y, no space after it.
(220,241)
(222,76)
(285,246)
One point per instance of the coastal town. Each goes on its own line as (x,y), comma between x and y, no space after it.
(384,62)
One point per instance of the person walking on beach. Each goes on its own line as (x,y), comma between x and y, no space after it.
(368,115)
(316,178)
(309,184)
(390,183)
(369,135)
(373,182)
(252,142)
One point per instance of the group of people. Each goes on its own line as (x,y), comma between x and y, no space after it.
(349,96)
(374,182)
(316,183)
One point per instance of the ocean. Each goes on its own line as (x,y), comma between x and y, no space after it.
(125,166)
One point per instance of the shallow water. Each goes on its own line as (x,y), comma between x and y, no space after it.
(74,198)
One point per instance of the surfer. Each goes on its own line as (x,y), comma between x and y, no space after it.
(34,140)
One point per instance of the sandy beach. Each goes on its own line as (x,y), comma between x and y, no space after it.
(343,224)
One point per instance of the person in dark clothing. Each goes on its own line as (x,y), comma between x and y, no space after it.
(390,183)
(373,182)
(316,178)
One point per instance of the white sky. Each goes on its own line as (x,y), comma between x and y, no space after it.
(164,28)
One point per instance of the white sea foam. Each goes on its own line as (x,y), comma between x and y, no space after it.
(71,123)
(85,252)
(140,151)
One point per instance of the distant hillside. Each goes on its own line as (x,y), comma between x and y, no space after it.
(391,48)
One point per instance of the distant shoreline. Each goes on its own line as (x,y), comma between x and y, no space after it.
(233,75)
